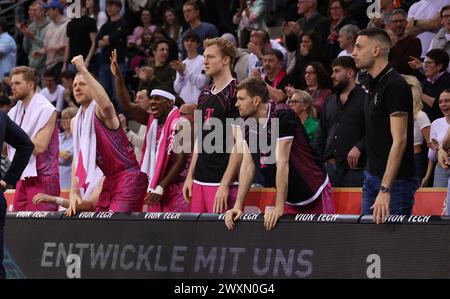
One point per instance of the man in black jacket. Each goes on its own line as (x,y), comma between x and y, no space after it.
(14,136)
(340,138)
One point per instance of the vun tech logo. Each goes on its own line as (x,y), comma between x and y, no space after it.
(74,9)
(374,9)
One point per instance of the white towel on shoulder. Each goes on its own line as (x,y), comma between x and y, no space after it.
(85,142)
(36,117)
(151,152)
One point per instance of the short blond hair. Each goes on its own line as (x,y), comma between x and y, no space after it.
(226,47)
(29,74)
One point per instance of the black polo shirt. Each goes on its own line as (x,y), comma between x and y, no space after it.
(388,93)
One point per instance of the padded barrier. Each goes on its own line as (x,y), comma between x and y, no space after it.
(186,245)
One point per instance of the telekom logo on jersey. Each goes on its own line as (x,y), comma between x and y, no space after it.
(263,138)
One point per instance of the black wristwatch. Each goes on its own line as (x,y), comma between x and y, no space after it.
(384,189)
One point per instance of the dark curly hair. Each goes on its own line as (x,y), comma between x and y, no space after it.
(323,77)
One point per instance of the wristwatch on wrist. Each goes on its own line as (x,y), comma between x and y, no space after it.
(384,189)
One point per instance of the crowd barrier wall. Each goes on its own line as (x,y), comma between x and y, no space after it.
(428,201)
(186,245)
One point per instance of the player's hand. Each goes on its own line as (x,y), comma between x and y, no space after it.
(187,190)
(78,62)
(231,216)
(221,199)
(271,218)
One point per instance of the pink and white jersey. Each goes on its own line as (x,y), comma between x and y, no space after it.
(47,162)
(114,152)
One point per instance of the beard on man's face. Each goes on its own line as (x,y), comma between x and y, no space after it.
(340,85)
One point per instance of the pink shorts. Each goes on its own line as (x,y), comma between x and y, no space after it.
(172,201)
(324,204)
(28,188)
(123,192)
(203,198)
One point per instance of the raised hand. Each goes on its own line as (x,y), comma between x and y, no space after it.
(114,66)
(78,62)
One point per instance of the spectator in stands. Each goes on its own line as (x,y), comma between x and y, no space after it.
(135,40)
(338,18)
(159,34)
(443,160)
(66,148)
(438,130)
(81,33)
(310,20)
(340,139)
(311,50)
(103,4)
(406,46)
(250,17)
(191,12)
(139,111)
(112,35)
(93,10)
(421,129)
(424,20)
(358,11)
(19,140)
(171,24)
(67,82)
(99,142)
(301,102)
(381,20)
(389,183)
(37,117)
(218,13)
(165,183)
(302,187)
(8,49)
(190,79)
(55,39)
(142,54)
(159,73)
(240,66)
(442,39)
(33,35)
(5,86)
(259,43)
(317,82)
(209,183)
(5,104)
(347,39)
(437,79)
(275,77)
(53,91)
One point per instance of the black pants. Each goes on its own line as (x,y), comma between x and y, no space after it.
(2,226)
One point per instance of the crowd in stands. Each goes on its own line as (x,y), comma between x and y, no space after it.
(144,51)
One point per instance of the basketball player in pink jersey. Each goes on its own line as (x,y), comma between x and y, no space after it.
(37,117)
(166,174)
(100,142)
(210,184)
